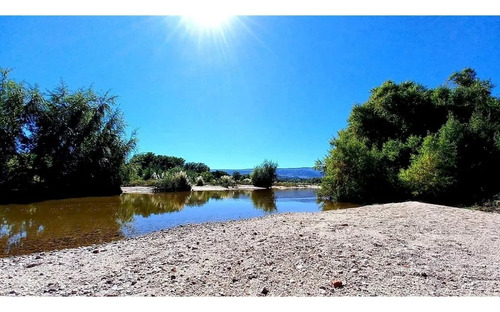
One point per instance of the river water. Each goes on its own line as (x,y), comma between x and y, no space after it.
(75,222)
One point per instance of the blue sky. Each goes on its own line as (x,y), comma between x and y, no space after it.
(266,87)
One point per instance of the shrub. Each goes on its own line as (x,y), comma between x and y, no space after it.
(207,177)
(217,174)
(176,182)
(227,181)
(264,175)
(199,181)
(237,176)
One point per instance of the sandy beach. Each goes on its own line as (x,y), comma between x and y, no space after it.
(242,187)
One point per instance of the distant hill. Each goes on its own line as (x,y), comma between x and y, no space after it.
(285,173)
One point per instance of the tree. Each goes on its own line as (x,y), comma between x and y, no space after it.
(149,163)
(410,142)
(196,167)
(217,174)
(237,176)
(264,175)
(61,143)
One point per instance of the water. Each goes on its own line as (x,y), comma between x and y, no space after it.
(76,222)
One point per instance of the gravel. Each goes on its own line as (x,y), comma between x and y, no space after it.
(399,249)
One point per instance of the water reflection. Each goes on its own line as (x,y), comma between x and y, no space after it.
(78,222)
(264,199)
(327,205)
(58,224)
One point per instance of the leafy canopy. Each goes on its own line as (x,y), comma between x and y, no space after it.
(411,142)
(59,143)
(264,175)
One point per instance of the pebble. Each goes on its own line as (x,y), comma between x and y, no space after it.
(337,284)
(265,291)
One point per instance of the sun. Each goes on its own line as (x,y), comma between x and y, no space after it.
(210,20)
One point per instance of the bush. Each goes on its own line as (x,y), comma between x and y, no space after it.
(199,181)
(264,175)
(227,181)
(237,176)
(176,182)
(140,182)
(207,177)
(217,174)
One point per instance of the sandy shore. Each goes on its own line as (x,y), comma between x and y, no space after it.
(147,189)
(401,249)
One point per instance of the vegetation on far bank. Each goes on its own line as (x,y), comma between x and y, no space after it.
(408,142)
(169,174)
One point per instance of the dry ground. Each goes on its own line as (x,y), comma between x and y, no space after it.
(400,249)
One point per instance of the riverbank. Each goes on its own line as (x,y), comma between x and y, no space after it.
(241,187)
(401,249)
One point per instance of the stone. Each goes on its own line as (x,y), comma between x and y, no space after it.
(265,291)
(337,284)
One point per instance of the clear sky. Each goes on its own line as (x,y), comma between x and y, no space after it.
(254,88)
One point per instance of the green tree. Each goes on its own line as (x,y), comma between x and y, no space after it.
(410,142)
(237,176)
(264,175)
(217,174)
(196,167)
(61,143)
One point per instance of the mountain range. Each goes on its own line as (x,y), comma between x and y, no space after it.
(285,173)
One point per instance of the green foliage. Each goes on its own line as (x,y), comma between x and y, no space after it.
(237,176)
(226,181)
(207,177)
(200,181)
(432,172)
(140,182)
(410,142)
(176,182)
(264,175)
(246,181)
(217,174)
(196,167)
(147,164)
(60,143)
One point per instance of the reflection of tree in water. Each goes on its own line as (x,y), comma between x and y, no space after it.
(75,222)
(331,205)
(264,199)
(148,204)
(58,224)
(202,197)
